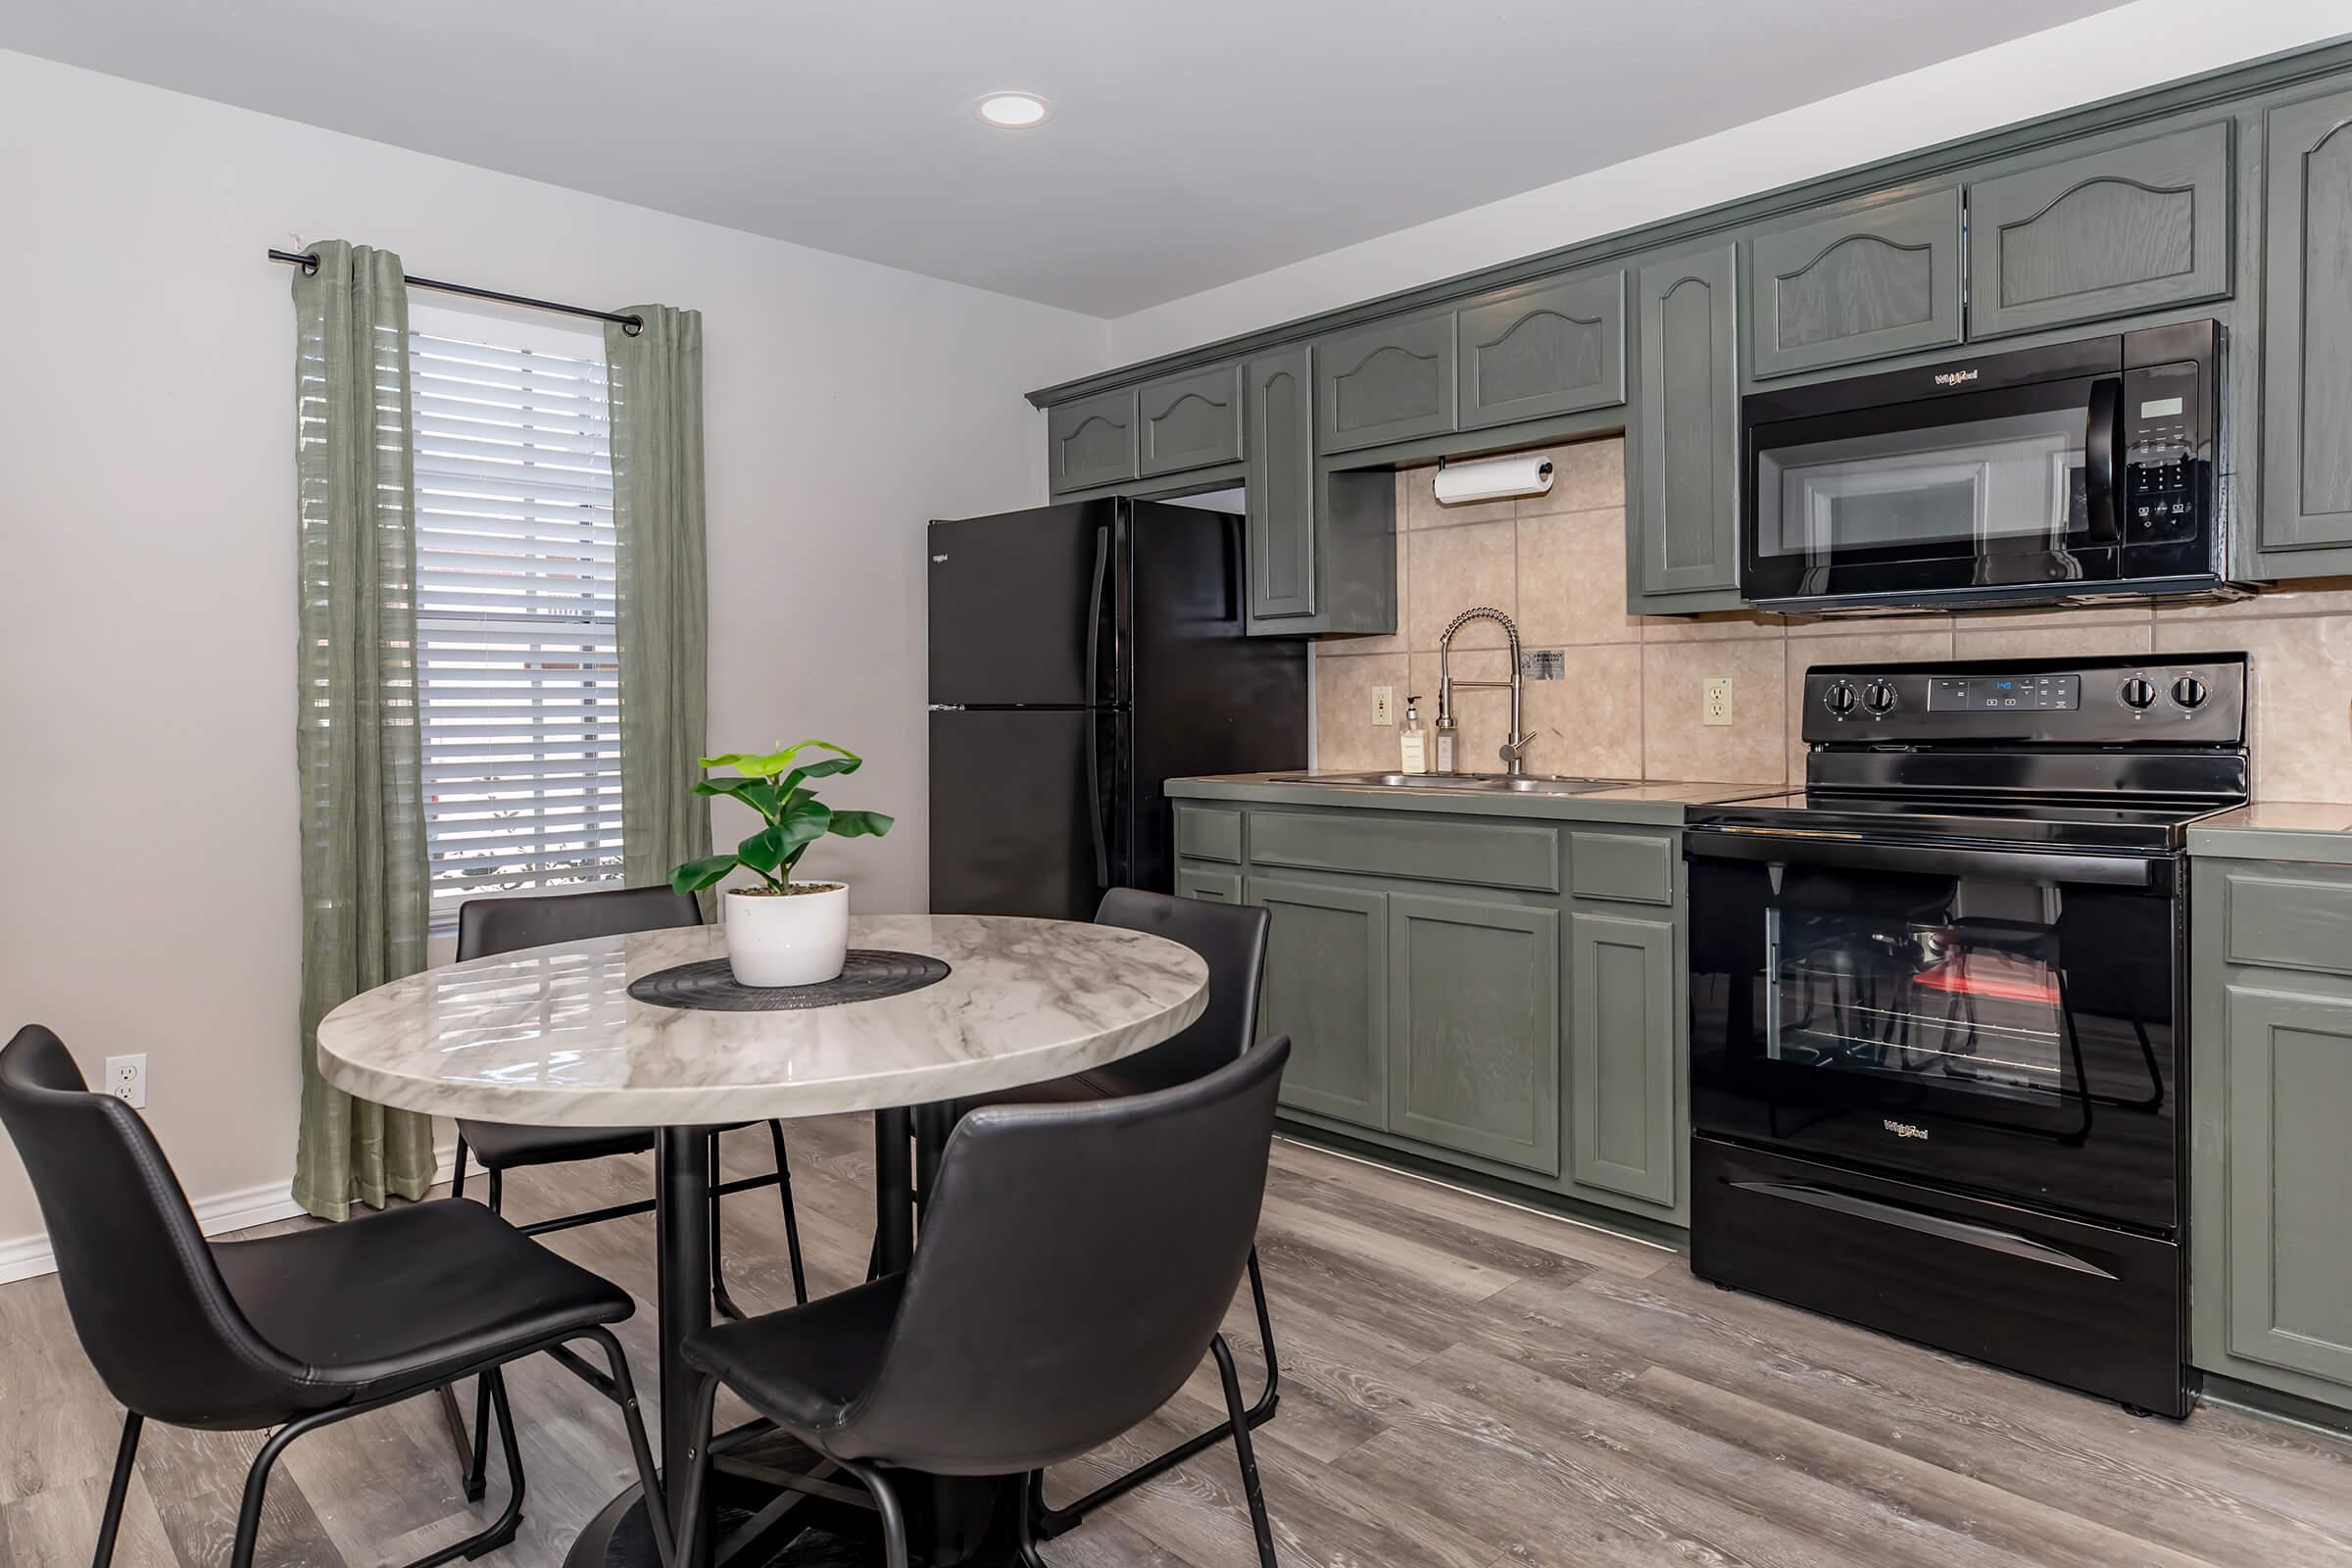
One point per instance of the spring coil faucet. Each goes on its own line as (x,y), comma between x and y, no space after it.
(1514,745)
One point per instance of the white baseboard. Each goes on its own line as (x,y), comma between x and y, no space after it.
(24,1257)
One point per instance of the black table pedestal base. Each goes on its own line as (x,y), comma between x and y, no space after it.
(819,1533)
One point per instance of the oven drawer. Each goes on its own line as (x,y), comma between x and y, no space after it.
(2080,1304)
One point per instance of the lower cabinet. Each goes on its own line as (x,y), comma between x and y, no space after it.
(1529,1036)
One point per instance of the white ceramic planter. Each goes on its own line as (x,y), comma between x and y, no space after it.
(788,940)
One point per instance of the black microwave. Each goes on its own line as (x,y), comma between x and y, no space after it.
(2076,470)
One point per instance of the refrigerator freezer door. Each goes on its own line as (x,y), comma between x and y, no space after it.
(1024,811)
(1022,607)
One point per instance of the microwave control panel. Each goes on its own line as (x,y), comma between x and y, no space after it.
(2166,472)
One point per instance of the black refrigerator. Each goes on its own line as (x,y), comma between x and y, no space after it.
(1082,656)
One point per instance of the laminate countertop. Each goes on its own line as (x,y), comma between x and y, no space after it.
(1655,803)
(2317,833)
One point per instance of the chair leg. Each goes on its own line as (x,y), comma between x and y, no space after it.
(457,1172)
(125,1458)
(1239,1418)
(886,1505)
(720,1296)
(687,1515)
(792,1219)
(641,1449)
(477,1473)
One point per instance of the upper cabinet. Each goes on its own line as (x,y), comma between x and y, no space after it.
(2307,328)
(1871,279)
(1190,422)
(1683,517)
(1550,347)
(1390,382)
(2142,227)
(1091,441)
(1281,484)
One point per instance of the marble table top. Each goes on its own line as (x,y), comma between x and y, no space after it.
(551,1037)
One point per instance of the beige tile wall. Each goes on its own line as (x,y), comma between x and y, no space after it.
(1629,704)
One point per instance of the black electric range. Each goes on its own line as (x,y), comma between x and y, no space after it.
(1938,1008)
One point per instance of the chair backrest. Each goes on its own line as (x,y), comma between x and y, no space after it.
(1232,939)
(501,925)
(150,1306)
(1076,1259)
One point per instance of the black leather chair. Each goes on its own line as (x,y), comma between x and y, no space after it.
(490,926)
(296,1331)
(1232,939)
(1075,1262)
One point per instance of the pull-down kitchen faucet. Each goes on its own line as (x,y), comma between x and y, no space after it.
(1514,745)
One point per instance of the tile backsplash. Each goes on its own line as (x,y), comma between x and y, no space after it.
(1629,704)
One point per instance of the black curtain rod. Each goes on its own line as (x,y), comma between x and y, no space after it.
(631,325)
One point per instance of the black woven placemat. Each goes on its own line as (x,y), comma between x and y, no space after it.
(710,985)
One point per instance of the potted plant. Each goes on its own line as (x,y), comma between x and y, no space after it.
(781,932)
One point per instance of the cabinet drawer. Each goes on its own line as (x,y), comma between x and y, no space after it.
(2289,917)
(1390,382)
(1542,349)
(1496,856)
(2135,227)
(1091,441)
(1630,867)
(1191,421)
(1209,885)
(1209,833)
(1880,278)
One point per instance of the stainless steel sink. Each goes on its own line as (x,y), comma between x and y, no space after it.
(1472,783)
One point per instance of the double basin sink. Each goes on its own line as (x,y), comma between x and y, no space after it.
(1467,783)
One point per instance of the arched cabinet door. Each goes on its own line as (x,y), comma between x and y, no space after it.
(2307,339)
(1682,515)
(1388,382)
(1191,421)
(1090,442)
(1871,279)
(2142,227)
(1543,349)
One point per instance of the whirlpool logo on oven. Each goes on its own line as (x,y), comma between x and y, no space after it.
(1957,377)
(1903,1129)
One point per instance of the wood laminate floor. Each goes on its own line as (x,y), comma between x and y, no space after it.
(1467,1385)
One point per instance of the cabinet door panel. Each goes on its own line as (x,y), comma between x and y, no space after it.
(1554,347)
(1282,487)
(1390,382)
(2290,1075)
(1191,421)
(1091,441)
(2138,227)
(1207,885)
(1881,278)
(1475,1028)
(1327,987)
(1625,1137)
(1685,542)
(2307,328)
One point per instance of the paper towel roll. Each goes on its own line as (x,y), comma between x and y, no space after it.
(1492,480)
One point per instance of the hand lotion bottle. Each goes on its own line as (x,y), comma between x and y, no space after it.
(1414,740)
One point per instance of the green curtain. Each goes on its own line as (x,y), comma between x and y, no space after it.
(363,812)
(656,390)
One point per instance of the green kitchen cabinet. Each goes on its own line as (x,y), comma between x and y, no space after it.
(1683,458)
(1389,383)
(1474,1027)
(1545,349)
(1858,283)
(2125,229)
(2307,340)
(1628,1135)
(1322,541)
(1190,421)
(1327,988)
(2271,1071)
(1090,442)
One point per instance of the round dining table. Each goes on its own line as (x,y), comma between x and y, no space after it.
(553,1036)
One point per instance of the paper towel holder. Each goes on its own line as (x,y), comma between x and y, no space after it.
(1492,480)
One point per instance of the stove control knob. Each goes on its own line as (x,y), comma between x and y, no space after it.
(1840,698)
(1879,697)
(2138,692)
(2190,692)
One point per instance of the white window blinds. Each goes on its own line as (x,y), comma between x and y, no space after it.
(514,484)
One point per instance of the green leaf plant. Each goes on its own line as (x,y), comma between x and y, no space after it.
(775,785)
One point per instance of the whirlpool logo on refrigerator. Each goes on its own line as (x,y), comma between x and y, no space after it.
(1903,1129)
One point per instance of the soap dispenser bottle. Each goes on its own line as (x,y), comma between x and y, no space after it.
(1414,740)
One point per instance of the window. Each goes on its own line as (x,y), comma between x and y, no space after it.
(515,616)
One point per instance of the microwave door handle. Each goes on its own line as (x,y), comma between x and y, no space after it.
(2101,432)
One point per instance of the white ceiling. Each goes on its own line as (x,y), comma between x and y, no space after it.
(1192,141)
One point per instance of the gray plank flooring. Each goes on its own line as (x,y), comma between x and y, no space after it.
(1467,1385)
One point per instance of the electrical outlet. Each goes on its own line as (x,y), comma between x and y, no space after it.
(1384,704)
(126,1080)
(1715,703)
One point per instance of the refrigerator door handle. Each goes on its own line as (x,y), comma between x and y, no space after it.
(1096,805)
(1093,619)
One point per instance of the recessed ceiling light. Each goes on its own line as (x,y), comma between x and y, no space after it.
(1013,111)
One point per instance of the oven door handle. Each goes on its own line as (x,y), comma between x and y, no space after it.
(1943,1227)
(1843,851)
